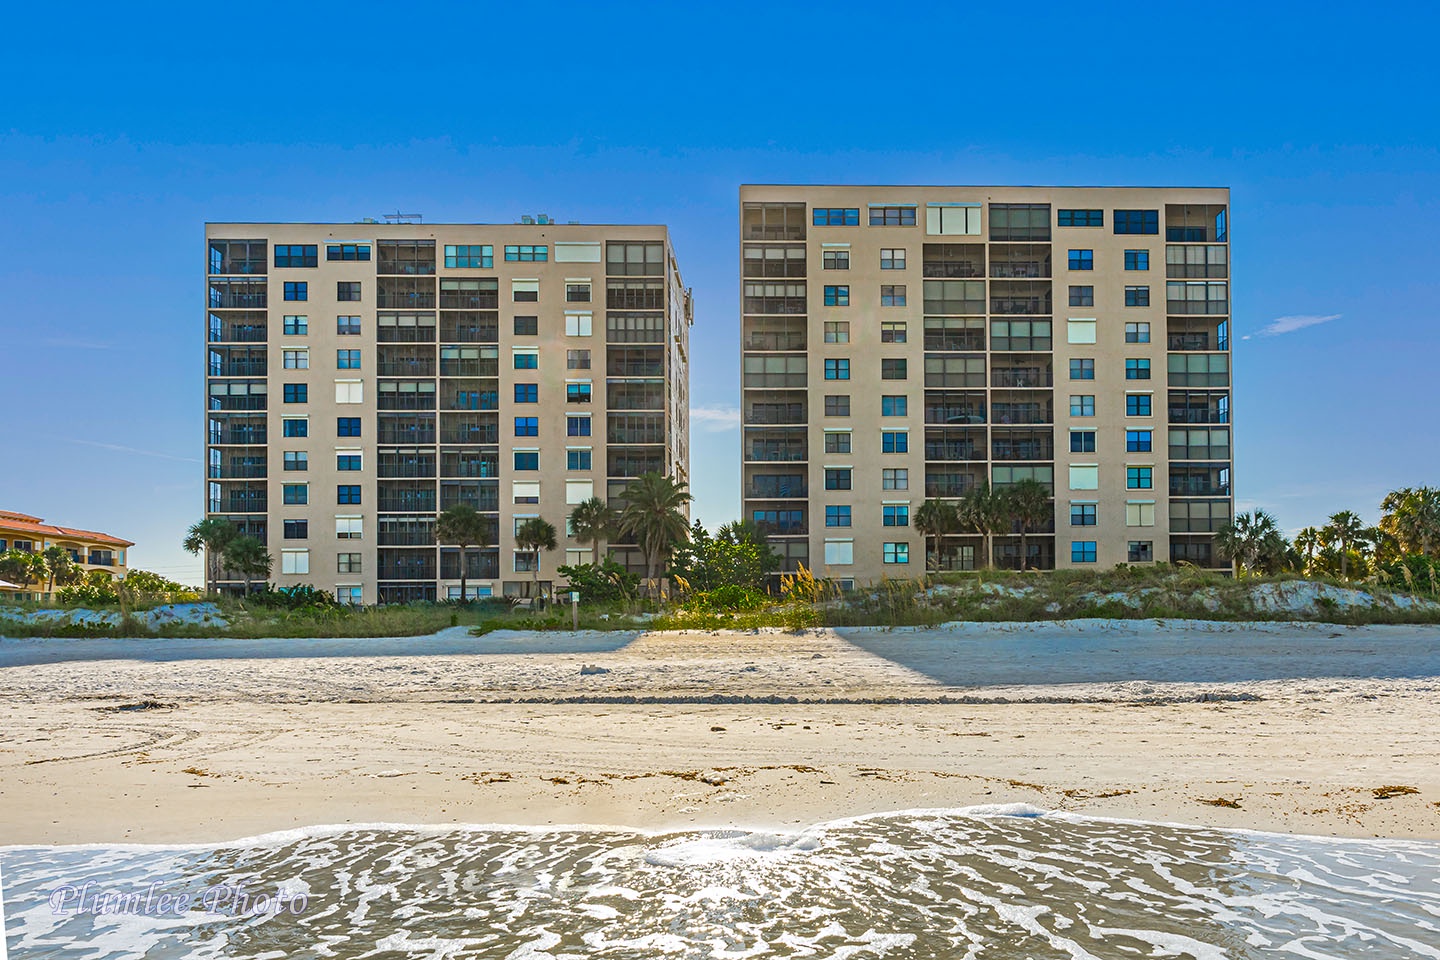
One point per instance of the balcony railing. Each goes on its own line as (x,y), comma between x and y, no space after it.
(1024,306)
(949,486)
(791,529)
(1021,413)
(1197,487)
(1020,270)
(635,435)
(774,454)
(1208,307)
(776,414)
(416,503)
(470,368)
(1027,377)
(415,367)
(239,436)
(406,300)
(239,504)
(775,305)
(1198,415)
(468,434)
(952,270)
(227,471)
(241,402)
(954,450)
(1022,450)
(969,413)
(1196,341)
(955,342)
(776,341)
(789,488)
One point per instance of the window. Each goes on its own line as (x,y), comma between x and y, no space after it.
(1137,221)
(525,253)
(837,369)
(295,493)
(527,326)
(1137,368)
(836,216)
(295,359)
(1140,551)
(525,359)
(347,427)
(894,441)
(296,392)
(1084,477)
(894,479)
(837,479)
(577,359)
(892,295)
(347,290)
(297,460)
(1139,478)
(295,428)
(896,516)
(297,529)
(837,515)
(837,441)
(347,359)
(894,406)
(577,393)
(1082,514)
(577,426)
(577,459)
(1082,296)
(349,391)
(349,563)
(1080,218)
(892,216)
(578,491)
(1137,405)
(469,257)
(839,552)
(892,258)
(347,461)
(1080,331)
(527,393)
(958,219)
(837,296)
(577,293)
(349,528)
(837,331)
(578,324)
(347,326)
(527,460)
(1139,514)
(1082,369)
(297,255)
(893,369)
(1082,551)
(1137,333)
(1082,405)
(295,561)
(896,553)
(527,426)
(1137,296)
(837,405)
(348,251)
(525,291)
(1138,441)
(1082,259)
(297,290)
(347,493)
(835,259)
(1137,259)
(1082,441)
(296,326)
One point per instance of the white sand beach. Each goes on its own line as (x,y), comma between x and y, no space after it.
(1298,726)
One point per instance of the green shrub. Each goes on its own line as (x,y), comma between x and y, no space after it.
(605,582)
(89,594)
(300,597)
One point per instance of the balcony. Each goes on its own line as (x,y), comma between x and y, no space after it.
(951,485)
(472,432)
(1197,297)
(470,367)
(405,257)
(773,260)
(238,468)
(1020,298)
(954,445)
(1012,411)
(775,413)
(1196,342)
(947,335)
(398,464)
(635,362)
(406,564)
(470,464)
(239,367)
(1196,223)
(783,528)
(635,396)
(405,329)
(776,340)
(635,295)
(1200,480)
(1020,261)
(470,327)
(100,558)
(479,564)
(1199,408)
(406,431)
(776,449)
(405,366)
(237,328)
(237,432)
(777,487)
(955,408)
(621,462)
(242,402)
(957,261)
(773,221)
(239,501)
(1197,263)
(416,502)
(793,305)
(405,293)
(954,296)
(238,295)
(1015,449)
(1022,376)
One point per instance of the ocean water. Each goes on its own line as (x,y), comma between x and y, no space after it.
(989,884)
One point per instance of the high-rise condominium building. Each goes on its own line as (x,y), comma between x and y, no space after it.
(363,377)
(905,343)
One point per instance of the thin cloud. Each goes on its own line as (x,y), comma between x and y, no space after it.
(118,448)
(1282,325)
(715,419)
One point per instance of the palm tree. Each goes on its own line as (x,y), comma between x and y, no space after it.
(22,568)
(247,557)
(1412,517)
(533,536)
(653,517)
(465,527)
(591,521)
(938,519)
(1307,542)
(61,568)
(984,510)
(1029,505)
(211,535)
(1345,528)
(1252,542)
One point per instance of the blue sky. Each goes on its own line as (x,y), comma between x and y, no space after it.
(120,135)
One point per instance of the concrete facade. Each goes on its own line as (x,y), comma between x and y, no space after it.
(985,333)
(516,367)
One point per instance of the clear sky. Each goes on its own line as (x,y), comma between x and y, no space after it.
(123,129)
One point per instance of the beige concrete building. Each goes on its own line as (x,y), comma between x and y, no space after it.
(904,343)
(363,377)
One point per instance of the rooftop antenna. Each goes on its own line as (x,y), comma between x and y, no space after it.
(398,217)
